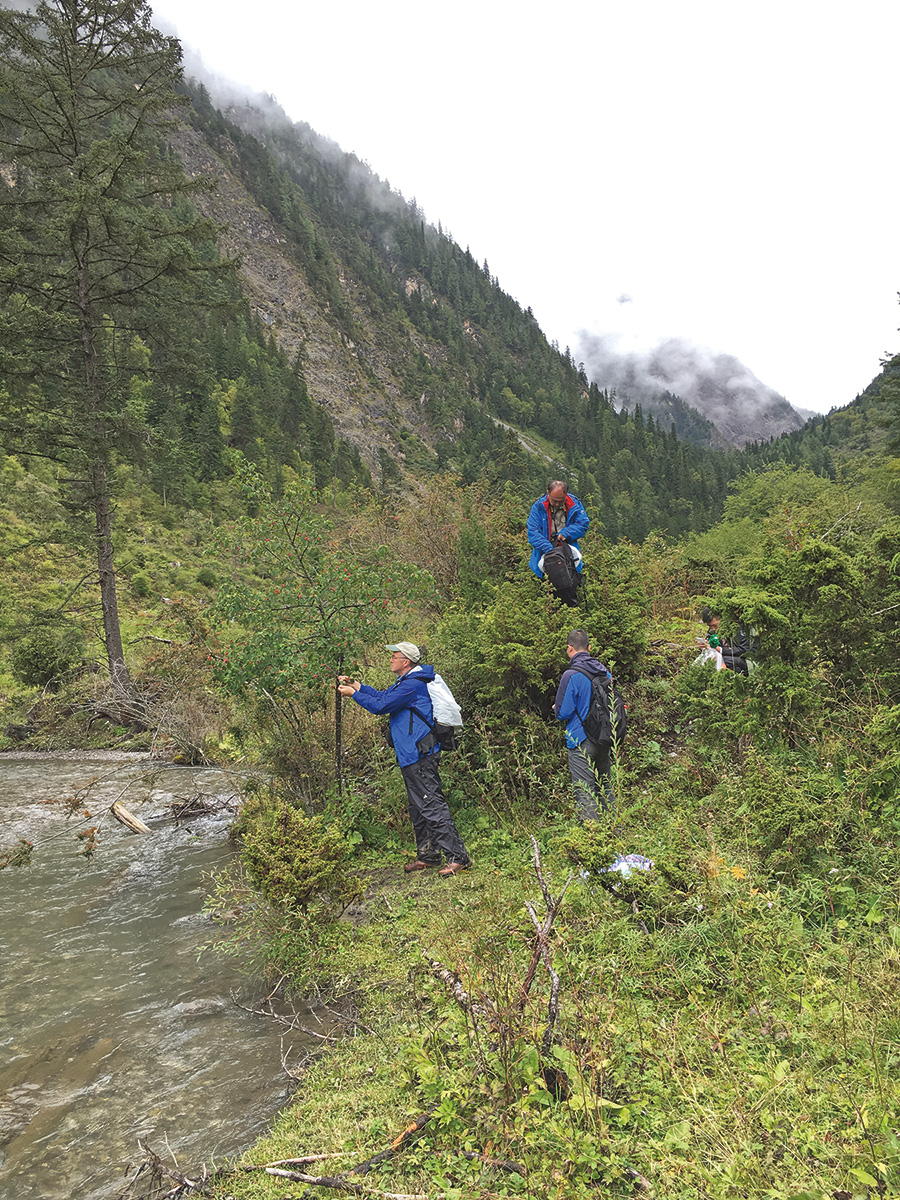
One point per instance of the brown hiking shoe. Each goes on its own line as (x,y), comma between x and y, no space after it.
(418,865)
(453,869)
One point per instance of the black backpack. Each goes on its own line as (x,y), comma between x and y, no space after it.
(559,567)
(605,724)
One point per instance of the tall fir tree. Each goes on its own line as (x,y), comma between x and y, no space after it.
(100,250)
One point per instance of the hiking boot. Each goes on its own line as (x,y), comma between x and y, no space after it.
(453,869)
(418,865)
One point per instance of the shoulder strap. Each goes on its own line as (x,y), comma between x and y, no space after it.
(423,719)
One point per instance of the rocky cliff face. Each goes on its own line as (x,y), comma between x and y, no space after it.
(355,380)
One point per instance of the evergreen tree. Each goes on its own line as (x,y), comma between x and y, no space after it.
(97,244)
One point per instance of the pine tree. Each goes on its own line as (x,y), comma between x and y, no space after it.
(98,244)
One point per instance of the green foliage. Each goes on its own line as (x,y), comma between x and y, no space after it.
(795,818)
(313,602)
(43,656)
(305,600)
(508,655)
(293,859)
(99,250)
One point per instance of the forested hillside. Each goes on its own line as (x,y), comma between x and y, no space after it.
(261,421)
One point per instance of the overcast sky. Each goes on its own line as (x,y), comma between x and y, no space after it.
(724,173)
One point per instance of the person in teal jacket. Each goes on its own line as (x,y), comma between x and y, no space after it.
(555,517)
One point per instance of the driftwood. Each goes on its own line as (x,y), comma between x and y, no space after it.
(157,1178)
(121,813)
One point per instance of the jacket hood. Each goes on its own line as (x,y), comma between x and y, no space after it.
(423,671)
(582,661)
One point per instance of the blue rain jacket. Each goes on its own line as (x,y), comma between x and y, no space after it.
(573,696)
(407,727)
(538,529)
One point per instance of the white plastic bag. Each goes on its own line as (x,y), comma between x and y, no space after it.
(711,654)
(446,710)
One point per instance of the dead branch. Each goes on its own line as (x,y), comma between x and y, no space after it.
(158,1173)
(458,992)
(553,1007)
(201,806)
(340,1183)
(501,1164)
(291,1162)
(399,1143)
(641,1180)
(553,907)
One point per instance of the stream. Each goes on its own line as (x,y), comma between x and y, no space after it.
(113,1027)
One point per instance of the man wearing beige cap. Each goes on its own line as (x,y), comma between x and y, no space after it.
(412,724)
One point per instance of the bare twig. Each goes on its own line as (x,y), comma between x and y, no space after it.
(291,1023)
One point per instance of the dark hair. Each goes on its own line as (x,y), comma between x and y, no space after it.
(556,483)
(707,614)
(578,640)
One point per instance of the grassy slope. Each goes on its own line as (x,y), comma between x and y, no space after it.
(719,1034)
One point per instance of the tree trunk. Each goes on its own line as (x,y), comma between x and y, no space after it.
(122,687)
(120,680)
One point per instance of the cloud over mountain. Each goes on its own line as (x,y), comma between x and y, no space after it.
(719,386)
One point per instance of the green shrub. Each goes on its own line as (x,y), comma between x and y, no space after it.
(795,816)
(293,859)
(45,655)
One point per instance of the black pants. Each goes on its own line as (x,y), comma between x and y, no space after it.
(432,823)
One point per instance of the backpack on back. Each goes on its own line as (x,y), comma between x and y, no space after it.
(607,715)
(558,565)
(447,718)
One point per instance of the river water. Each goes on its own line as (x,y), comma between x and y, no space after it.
(112,1029)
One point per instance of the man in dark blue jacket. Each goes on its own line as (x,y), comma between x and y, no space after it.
(589,762)
(412,719)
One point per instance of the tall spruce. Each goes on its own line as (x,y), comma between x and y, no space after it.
(100,251)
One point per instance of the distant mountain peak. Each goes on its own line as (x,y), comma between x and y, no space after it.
(718,386)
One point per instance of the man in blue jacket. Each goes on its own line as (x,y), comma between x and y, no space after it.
(412,719)
(556,517)
(589,762)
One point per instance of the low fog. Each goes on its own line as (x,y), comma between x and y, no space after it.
(718,385)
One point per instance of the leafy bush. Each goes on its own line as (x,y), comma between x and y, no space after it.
(293,859)
(41,657)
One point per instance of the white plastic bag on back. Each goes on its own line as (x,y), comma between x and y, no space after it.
(446,710)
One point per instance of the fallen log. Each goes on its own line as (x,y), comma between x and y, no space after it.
(121,813)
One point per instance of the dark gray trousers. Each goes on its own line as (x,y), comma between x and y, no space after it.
(589,767)
(432,823)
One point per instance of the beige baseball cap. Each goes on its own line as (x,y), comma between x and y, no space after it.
(408,650)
